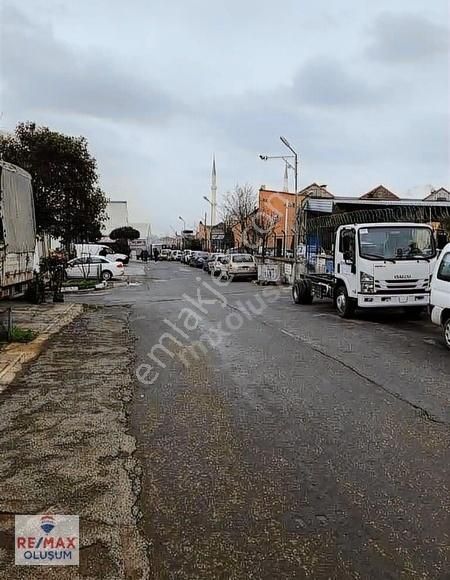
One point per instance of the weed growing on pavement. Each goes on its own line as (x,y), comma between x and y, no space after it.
(21,334)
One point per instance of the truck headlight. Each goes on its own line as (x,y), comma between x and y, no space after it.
(367,283)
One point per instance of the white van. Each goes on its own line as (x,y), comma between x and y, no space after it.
(440,294)
(83,250)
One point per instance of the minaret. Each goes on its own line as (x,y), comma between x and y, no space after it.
(213,192)
(286,179)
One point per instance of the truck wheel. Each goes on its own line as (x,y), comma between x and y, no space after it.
(345,306)
(296,293)
(307,295)
(301,293)
(446,332)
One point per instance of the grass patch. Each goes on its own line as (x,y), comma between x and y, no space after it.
(82,283)
(22,334)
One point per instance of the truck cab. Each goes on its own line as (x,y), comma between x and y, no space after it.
(383,265)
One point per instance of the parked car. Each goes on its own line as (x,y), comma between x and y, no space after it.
(176,255)
(193,258)
(238,266)
(218,266)
(164,254)
(186,255)
(83,250)
(440,294)
(200,259)
(208,266)
(94,267)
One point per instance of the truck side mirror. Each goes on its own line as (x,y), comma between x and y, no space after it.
(348,256)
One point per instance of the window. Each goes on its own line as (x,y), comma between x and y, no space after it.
(347,243)
(242,258)
(396,243)
(97,260)
(444,269)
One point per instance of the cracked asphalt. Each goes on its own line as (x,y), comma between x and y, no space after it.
(277,441)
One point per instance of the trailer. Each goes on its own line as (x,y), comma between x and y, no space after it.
(374,264)
(17,231)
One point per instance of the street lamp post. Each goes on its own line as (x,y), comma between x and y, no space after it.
(294,152)
(211,226)
(184,228)
(285,158)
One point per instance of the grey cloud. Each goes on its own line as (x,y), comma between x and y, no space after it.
(40,73)
(324,82)
(403,38)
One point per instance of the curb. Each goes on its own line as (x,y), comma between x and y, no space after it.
(19,354)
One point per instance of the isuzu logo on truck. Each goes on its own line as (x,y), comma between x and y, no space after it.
(402,276)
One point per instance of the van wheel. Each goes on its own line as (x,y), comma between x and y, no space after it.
(345,306)
(446,332)
(106,275)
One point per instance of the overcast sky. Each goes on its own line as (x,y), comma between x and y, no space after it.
(157,86)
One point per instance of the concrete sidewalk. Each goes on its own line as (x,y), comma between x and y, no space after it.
(45,320)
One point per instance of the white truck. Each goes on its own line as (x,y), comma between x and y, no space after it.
(370,265)
(17,231)
(84,250)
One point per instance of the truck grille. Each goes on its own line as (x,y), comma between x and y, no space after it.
(407,286)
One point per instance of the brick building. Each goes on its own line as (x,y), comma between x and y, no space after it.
(282,204)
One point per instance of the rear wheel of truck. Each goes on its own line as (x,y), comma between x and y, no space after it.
(345,306)
(301,293)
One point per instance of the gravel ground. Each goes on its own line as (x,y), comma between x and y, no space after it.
(66,449)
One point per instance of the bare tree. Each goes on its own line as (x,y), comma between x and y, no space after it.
(261,227)
(239,205)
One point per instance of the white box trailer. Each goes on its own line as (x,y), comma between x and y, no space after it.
(17,230)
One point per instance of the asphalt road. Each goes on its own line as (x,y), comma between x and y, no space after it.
(279,441)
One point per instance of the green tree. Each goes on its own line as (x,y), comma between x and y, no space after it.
(125,233)
(69,203)
(122,237)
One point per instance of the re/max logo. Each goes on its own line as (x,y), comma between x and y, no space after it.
(59,543)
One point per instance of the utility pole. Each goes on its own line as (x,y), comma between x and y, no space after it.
(213,192)
(286,210)
(294,152)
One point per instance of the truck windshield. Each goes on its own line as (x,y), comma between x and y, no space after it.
(396,243)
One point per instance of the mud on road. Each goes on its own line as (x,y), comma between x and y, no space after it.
(66,449)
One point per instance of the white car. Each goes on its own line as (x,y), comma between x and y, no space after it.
(164,254)
(213,263)
(175,255)
(440,294)
(234,266)
(94,267)
(241,266)
(83,250)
